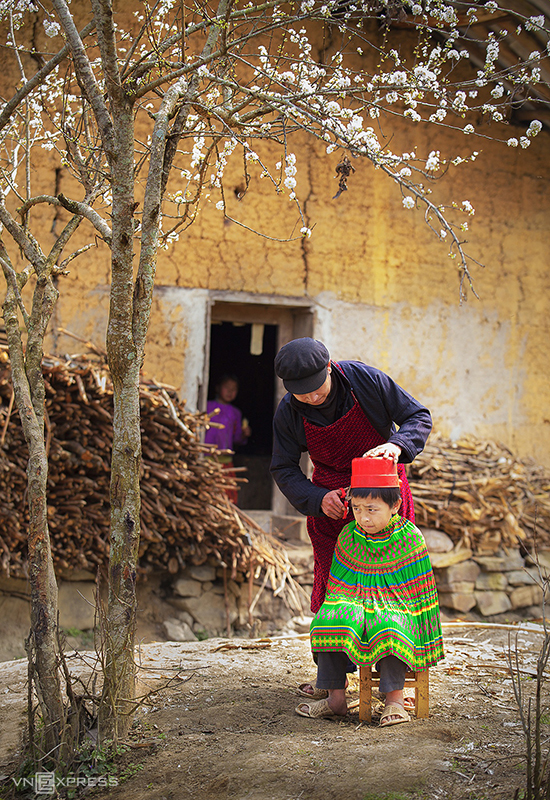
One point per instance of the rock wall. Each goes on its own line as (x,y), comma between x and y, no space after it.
(508,581)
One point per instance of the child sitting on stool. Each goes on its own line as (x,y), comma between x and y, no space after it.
(381,603)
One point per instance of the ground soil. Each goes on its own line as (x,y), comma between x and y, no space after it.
(226,728)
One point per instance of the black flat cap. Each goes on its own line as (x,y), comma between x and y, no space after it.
(302,365)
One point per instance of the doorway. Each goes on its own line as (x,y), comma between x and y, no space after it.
(247,350)
(246,331)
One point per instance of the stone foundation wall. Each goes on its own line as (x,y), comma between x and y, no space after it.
(486,584)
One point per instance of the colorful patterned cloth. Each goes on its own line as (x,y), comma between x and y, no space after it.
(381,598)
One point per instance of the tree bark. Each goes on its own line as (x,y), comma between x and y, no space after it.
(28,383)
(124,364)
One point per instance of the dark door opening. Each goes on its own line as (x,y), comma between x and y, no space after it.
(231,344)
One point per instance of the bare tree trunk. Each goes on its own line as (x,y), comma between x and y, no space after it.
(124,363)
(28,383)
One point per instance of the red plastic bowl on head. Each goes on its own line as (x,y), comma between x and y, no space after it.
(373,473)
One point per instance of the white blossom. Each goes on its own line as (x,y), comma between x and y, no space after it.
(512,142)
(408,202)
(305,232)
(534,128)
(432,162)
(468,207)
(524,141)
(468,129)
(51,27)
(410,112)
(535,23)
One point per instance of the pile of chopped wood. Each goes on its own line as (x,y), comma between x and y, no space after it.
(478,492)
(185,517)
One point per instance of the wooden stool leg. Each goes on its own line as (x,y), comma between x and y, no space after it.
(365,694)
(422,695)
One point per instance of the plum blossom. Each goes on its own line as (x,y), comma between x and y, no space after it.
(51,27)
(432,162)
(408,202)
(535,23)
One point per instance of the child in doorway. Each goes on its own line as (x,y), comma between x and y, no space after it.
(235,431)
(381,603)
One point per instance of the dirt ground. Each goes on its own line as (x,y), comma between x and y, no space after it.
(226,728)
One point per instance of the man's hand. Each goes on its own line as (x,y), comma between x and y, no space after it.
(386,450)
(332,505)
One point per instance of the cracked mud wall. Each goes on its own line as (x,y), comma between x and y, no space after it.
(381,285)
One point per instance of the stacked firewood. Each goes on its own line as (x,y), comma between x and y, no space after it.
(186,516)
(480,494)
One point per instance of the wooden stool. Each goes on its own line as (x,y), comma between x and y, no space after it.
(419,681)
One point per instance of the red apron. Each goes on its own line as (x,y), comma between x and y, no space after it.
(331,450)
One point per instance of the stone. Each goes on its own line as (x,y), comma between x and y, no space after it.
(519,577)
(208,610)
(525,596)
(187,588)
(203,573)
(234,587)
(440,560)
(15,623)
(513,560)
(301,624)
(461,601)
(490,563)
(178,631)
(503,562)
(542,556)
(186,617)
(77,605)
(461,587)
(463,571)
(492,581)
(490,603)
(437,541)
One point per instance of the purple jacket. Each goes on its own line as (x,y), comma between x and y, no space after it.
(232,434)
